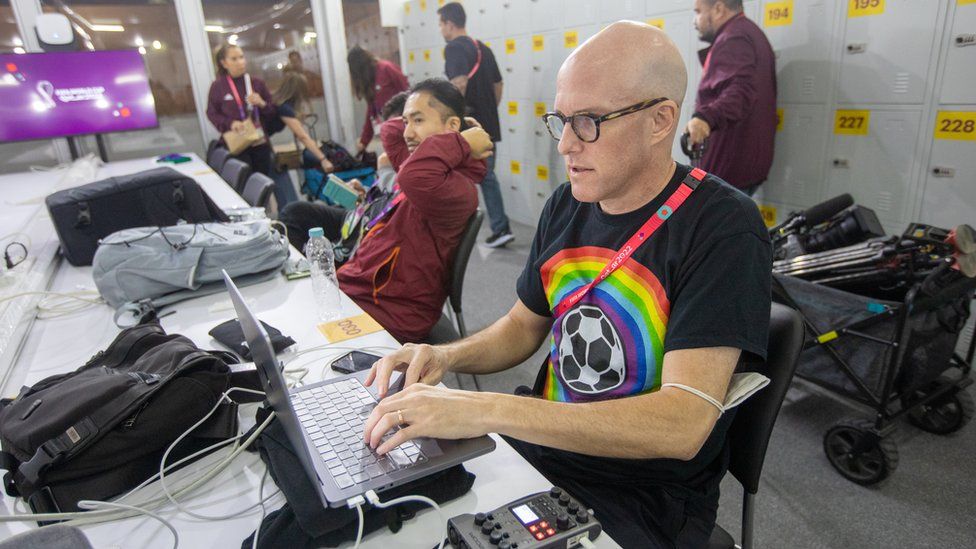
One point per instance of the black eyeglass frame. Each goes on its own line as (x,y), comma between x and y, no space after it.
(597,120)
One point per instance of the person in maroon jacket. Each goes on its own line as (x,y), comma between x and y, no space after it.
(736,106)
(376,81)
(399,274)
(230,102)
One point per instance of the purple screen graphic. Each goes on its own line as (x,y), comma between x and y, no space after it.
(46,95)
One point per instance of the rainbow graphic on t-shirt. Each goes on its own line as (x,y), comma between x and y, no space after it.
(611,344)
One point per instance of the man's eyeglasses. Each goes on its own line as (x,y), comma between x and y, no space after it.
(587,126)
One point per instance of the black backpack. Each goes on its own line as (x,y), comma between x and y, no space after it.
(102,429)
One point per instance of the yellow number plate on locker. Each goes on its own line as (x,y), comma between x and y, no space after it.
(659,23)
(778,14)
(423,5)
(768,214)
(426,55)
(540,108)
(957,125)
(860,8)
(852,122)
(571,39)
(779,120)
(510,46)
(411,57)
(516,167)
(513,107)
(542,173)
(538,43)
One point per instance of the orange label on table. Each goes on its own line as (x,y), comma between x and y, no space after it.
(349,328)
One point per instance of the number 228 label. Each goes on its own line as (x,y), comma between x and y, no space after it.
(851,122)
(957,125)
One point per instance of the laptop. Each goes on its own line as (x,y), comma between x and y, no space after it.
(324,422)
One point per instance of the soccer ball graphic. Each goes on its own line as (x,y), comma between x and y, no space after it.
(591,357)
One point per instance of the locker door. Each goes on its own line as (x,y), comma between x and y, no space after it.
(950,184)
(426,22)
(546,15)
(959,84)
(489,16)
(413,65)
(876,167)
(475,24)
(409,23)
(516,205)
(680,28)
(884,62)
(516,16)
(801,38)
(543,147)
(751,9)
(580,12)
(547,55)
(515,63)
(615,10)
(798,172)
(538,188)
(572,37)
(658,7)
(512,115)
(428,63)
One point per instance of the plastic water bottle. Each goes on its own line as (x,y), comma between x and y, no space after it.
(321,261)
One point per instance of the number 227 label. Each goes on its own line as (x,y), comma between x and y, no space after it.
(852,122)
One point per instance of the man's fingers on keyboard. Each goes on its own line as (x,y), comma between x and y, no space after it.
(383,426)
(398,438)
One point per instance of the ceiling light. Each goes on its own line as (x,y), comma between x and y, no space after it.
(232,40)
(213,28)
(157,45)
(139,41)
(142,50)
(19,50)
(108,28)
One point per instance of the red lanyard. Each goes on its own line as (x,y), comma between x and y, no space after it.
(673,202)
(237,97)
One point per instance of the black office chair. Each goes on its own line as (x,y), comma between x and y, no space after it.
(754,420)
(258,190)
(213,144)
(235,173)
(217,157)
(445,331)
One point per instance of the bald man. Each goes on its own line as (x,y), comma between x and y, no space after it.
(649,280)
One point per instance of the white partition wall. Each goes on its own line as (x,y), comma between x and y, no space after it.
(906,67)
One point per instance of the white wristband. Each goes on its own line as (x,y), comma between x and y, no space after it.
(697,393)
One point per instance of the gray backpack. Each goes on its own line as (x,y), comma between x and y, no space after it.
(142,269)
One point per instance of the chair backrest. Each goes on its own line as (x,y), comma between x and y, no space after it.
(235,173)
(258,189)
(217,157)
(753,424)
(213,144)
(461,257)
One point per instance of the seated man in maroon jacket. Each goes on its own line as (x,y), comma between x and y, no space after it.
(399,274)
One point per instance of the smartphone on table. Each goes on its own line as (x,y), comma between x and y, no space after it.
(354,361)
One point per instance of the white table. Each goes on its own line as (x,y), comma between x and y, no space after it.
(63,344)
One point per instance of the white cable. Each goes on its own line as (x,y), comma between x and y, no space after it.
(375,501)
(91,504)
(357,503)
(697,393)
(162,462)
(48,309)
(257,530)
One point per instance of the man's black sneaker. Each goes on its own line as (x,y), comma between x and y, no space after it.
(498,240)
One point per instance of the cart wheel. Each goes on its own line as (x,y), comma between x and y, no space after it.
(877,460)
(945,415)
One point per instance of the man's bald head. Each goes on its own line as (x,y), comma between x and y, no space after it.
(629,62)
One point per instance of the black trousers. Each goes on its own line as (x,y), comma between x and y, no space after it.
(301,216)
(258,158)
(639,517)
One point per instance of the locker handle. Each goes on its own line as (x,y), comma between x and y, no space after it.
(857,48)
(841,163)
(966,40)
(943,171)
(538,133)
(536,68)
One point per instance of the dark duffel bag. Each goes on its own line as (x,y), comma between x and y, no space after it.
(159,197)
(101,430)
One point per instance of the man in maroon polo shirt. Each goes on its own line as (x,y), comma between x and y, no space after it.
(736,105)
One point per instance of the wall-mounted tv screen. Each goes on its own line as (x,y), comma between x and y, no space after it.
(60,94)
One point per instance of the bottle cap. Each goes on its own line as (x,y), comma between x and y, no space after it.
(316,232)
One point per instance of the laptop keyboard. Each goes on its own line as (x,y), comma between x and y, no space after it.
(334,415)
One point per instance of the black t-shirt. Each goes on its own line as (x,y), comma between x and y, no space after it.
(285,110)
(460,57)
(701,280)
